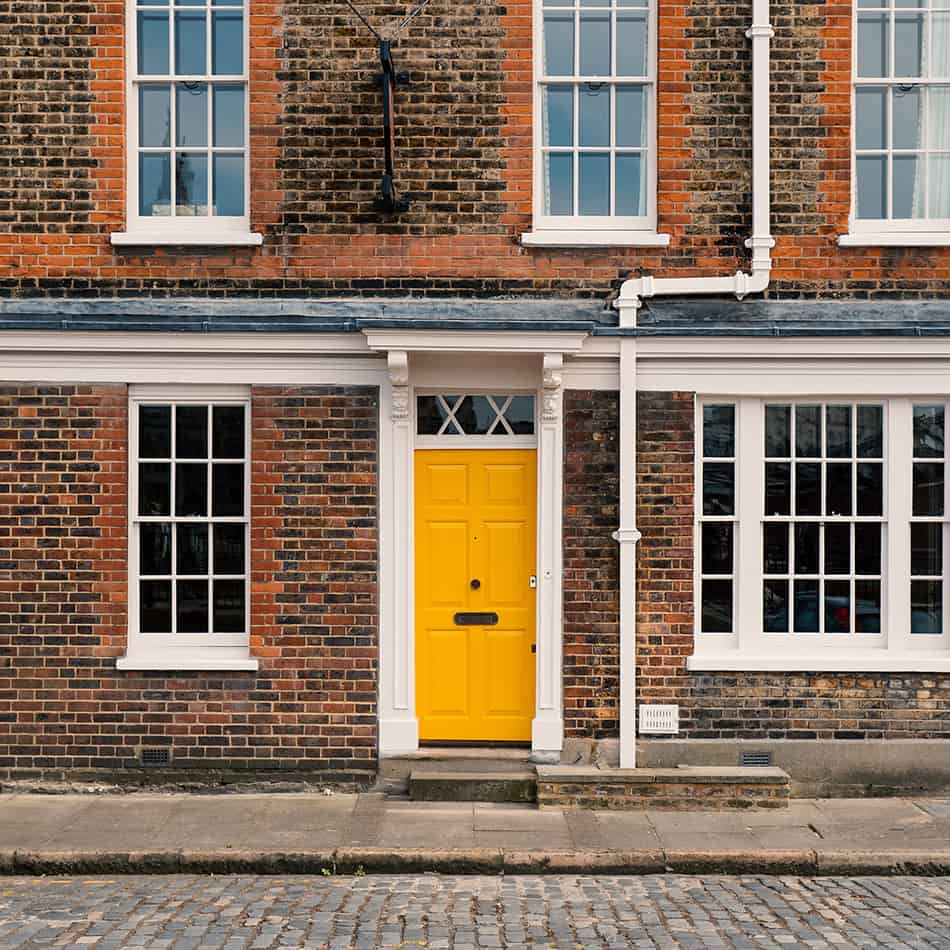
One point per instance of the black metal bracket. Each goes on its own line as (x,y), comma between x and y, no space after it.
(389,199)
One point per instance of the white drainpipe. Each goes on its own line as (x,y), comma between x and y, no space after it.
(632,294)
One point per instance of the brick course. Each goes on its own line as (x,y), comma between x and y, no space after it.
(64,708)
(464,135)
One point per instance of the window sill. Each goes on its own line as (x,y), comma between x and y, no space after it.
(857,661)
(183,239)
(196,660)
(571,238)
(895,239)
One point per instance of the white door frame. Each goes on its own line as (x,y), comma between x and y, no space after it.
(398,724)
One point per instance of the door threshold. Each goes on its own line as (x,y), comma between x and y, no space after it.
(519,753)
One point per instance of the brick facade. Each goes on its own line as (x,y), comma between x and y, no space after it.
(65,709)
(742,705)
(464,132)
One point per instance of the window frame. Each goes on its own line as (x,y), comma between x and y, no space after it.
(589,229)
(749,646)
(190,650)
(183,229)
(862,232)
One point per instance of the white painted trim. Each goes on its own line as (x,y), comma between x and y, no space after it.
(592,374)
(221,237)
(606,238)
(869,661)
(197,659)
(841,349)
(894,239)
(477,341)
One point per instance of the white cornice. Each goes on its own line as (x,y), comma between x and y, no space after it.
(476,341)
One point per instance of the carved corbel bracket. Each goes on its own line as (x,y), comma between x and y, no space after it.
(552,377)
(398,364)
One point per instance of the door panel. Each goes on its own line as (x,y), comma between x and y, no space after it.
(475,520)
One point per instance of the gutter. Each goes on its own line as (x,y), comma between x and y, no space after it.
(628,303)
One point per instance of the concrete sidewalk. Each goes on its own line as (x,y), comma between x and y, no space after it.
(340,833)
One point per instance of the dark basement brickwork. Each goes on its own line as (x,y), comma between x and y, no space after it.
(66,712)
(742,705)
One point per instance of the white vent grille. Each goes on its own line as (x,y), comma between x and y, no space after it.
(659,719)
(755,760)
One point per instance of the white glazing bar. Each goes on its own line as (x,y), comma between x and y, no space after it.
(899,452)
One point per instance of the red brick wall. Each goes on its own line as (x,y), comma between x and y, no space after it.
(464,132)
(741,705)
(65,710)
(591,564)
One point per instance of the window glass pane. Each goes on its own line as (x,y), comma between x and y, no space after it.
(191,432)
(595,44)
(870,489)
(191,115)
(775,606)
(808,431)
(632,51)
(928,489)
(227,43)
(872,187)
(155,548)
(559,44)
(594,190)
(838,490)
(631,116)
(870,432)
(838,431)
(908,44)
(717,606)
(229,116)
(837,606)
(870,121)
(594,116)
(718,488)
(719,431)
(229,607)
(778,488)
(908,187)
(155,486)
(191,43)
(631,185)
(475,415)
(192,606)
(907,118)
(939,187)
(430,415)
(717,547)
(155,185)
(155,606)
(926,607)
(806,547)
(872,45)
(191,183)
(227,491)
(191,551)
(778,442)
(227,433)
(867,548)
(229,185)
(806,606)
(229,544)
(191,490)
(776,548)
(938,116)
(838,548)
(807,488)
(154,116)
(867,606)
(939,60)
(558,115)
(926,549)
(558,184)
(520,415)
(153,43)
(928,431)
(155,432)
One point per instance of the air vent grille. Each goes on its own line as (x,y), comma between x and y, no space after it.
(155,757)
(659,720)
(755,760)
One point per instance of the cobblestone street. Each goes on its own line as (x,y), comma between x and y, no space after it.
(187,913)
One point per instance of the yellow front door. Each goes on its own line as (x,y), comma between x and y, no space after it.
(475,556)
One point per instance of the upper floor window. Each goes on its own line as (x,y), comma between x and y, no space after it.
(902,116)
(187,108)
(595,116)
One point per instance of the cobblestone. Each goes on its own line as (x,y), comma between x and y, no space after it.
(432,912)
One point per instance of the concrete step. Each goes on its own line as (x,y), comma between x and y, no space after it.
(484,786)
(394,771)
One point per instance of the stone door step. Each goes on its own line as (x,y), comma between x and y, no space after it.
(431,786)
